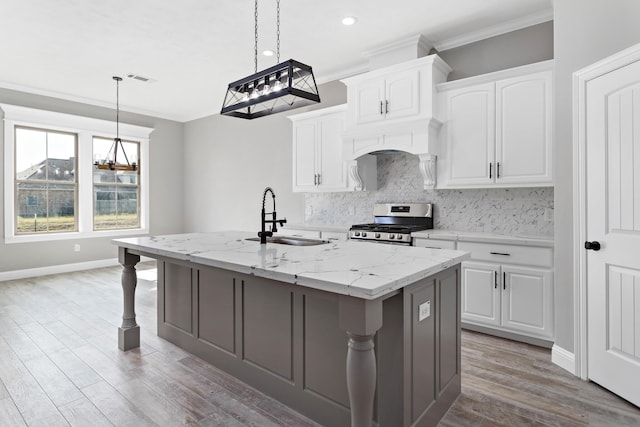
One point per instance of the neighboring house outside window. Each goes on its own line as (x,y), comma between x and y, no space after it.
(45,184)
(52,189)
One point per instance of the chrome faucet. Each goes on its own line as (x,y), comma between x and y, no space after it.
(263,234)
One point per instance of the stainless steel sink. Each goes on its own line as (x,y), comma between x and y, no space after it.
(293,241)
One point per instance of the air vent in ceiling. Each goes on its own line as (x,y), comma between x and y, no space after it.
(140,78)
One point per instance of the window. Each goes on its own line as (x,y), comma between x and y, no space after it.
(116,194)
(52,190)
(45,181)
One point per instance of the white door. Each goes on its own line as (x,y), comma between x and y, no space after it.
(523,129)
(331,169)
(304,156)
(481,293)
(369,101)
(612,125)
(527,300)
(470,136)
(402,94)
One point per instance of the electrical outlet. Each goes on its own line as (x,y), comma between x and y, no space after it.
(548,214)
(424,310)
(76,248)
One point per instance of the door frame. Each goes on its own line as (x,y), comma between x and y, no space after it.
(581,78)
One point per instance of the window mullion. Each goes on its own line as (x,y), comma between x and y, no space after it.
(85,182)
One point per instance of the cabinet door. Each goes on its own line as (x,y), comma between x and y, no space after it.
(524,129)
(304,155)
(369,101)
(402,95)
(527,300)
(329,165)
(470,136)
(481,293)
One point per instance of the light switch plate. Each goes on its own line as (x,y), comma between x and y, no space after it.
(424,310)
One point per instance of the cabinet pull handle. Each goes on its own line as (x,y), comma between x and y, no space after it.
(500,253)
(315,179)
(381,108)
(495,280)
(386,107)
(490,170)
(504,280)
(498,170)
(318,179)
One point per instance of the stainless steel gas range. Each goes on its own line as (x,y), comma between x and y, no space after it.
(394,222)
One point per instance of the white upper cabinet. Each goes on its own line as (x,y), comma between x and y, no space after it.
(387,97)
(497,129)
(318,163)
(401,92)
(470,135)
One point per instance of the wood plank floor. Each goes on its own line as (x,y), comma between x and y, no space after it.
(60,366)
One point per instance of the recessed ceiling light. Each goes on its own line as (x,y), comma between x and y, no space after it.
(349,20)
(268,53)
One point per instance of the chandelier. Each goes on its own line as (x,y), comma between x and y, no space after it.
(111,161)
(285,86)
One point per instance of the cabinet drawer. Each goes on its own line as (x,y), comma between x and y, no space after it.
(511,254)
(434,243)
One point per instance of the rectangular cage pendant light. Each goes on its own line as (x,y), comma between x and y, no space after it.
(284,86)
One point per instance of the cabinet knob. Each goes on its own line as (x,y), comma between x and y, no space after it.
(594,246)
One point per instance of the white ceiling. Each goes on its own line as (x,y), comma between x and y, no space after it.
(70,49)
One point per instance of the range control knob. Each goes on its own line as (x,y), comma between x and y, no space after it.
(357,233)
(399,237)
(392,236)
(377,235)
(364,234)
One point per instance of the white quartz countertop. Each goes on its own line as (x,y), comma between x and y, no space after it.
(361,269)
(526,240)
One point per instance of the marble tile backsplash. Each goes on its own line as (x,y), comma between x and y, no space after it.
(506,211)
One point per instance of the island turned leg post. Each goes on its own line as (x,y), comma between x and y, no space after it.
(129,332)
(360,319)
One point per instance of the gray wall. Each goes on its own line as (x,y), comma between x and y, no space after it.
(229,161)
(525,46)
(165,192)
(585,32)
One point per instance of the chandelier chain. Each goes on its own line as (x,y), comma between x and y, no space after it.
(255,45)
(278,31)
(117,107)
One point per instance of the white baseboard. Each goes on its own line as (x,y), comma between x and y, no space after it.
(59,269)
(563,358)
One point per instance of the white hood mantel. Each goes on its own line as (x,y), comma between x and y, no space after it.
(394,109)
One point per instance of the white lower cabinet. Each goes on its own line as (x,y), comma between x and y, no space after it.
(480,293)
(514,295)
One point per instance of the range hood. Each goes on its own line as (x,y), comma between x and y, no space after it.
(414,126)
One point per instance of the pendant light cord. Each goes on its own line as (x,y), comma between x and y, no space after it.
(118,107)
(255,45)
(278,31)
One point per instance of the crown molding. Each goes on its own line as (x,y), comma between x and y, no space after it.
(495,30)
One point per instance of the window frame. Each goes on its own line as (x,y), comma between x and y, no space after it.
(47,181)
(85,128)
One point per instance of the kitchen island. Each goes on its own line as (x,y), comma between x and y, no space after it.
(347,333)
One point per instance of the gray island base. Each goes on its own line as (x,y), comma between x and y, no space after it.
(346,333)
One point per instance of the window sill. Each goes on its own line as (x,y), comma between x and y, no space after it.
(33,238)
